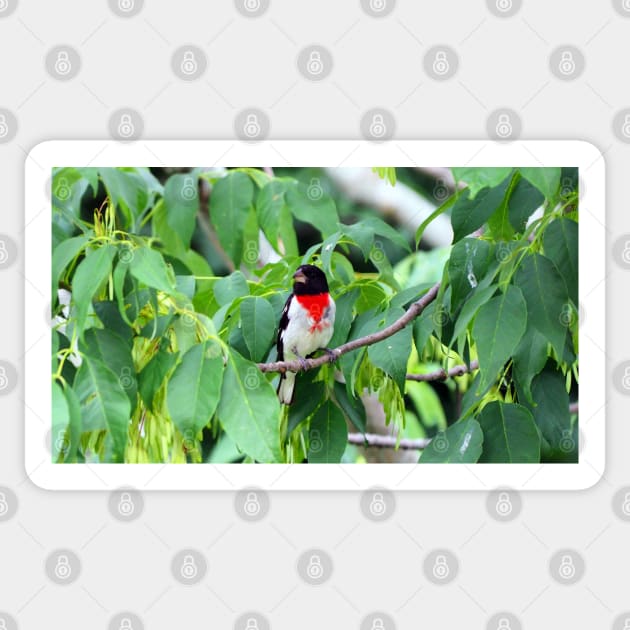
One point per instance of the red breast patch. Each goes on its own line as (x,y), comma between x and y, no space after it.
(314,304)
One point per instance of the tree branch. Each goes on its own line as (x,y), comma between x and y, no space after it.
(442,375)
(412,312)
(386,441)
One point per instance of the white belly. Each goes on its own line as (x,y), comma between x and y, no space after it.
(318,336)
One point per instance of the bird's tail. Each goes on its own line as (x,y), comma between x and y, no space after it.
(286,387)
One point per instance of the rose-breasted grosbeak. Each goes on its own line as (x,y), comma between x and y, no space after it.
(306,324)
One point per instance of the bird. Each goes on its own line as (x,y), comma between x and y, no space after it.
(306,325)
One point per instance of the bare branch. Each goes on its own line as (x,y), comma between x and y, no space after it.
(412,312)
(386,441)
(442,375)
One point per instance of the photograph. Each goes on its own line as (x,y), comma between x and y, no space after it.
(315,315)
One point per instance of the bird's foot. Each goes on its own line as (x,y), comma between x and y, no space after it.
(303,362)
(332,355)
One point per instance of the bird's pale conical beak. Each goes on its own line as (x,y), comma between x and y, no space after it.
(299,276)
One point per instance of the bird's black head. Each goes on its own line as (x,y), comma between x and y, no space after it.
(309,280)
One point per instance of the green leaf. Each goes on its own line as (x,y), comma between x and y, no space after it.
(499,222)
(127,190)
(275,218)
(391,354)
(461,443)
(152,376)
(181,204)
(148,267)
(230,287)
(343,317)
(436,213)
(498,328)
(305,402)
(470,308)
(88,278)
(510,435)
(524,200)
(467,264)
(529,359)
(423,326)
(469,214)
(312,205)
(546,295)
(63,255)
(60,421)
(477,178)
(258,326)
(352,408)
(192,392)
(112,350)
(328,435)
(104,403)
(546,179)
(231,199)
(249,410)
(560,241)
(427,403)
(111,318)
(363,233)
(551,414)
(74,433)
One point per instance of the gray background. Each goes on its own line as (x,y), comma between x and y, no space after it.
(124,565)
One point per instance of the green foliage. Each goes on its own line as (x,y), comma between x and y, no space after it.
(155,357)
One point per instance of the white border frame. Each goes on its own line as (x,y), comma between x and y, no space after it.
(584,474)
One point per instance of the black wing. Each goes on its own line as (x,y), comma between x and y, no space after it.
(284,322)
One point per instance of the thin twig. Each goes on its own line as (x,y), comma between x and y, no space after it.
(442,375)
(386,441)
(308,364)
